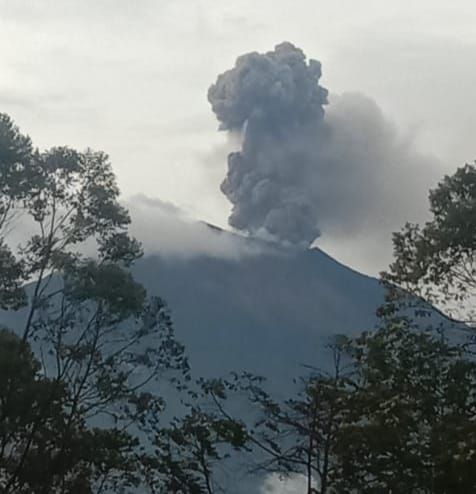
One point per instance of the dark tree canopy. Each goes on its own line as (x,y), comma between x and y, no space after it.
(72,423)
(438,260)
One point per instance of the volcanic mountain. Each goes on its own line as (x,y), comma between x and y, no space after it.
(266,309)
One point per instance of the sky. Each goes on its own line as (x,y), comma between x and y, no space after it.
(131,78)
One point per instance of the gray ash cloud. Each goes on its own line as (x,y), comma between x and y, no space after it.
(275,100)
(302,170)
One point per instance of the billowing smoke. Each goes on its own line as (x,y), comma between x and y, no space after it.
(275,100)
(302,171)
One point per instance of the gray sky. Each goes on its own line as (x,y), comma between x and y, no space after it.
(131,78)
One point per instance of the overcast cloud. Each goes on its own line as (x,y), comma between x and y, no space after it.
(131,79)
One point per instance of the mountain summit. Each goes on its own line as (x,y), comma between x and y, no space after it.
(269,311)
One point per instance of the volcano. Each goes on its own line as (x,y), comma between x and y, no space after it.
(270,312)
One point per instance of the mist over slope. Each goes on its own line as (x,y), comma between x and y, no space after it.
(269,313)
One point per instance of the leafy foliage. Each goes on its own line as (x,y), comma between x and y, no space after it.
(78,422)
(409,422)
(43,447)
(437,260)
(192,447)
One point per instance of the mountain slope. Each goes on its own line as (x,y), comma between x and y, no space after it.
(268,312)
(249,305)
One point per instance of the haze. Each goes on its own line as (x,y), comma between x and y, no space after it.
(132,79)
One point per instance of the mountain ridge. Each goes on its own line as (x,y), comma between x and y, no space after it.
(282,301)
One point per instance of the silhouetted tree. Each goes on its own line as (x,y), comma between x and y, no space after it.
(34,457)
(297,435)
(192,447)
(104,346)
(437,261)
(408,424)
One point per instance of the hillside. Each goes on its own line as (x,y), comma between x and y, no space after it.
(268,312)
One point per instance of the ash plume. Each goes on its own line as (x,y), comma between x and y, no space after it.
(301,171)
(275,101)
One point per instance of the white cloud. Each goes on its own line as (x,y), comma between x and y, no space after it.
(166,230)
(277,484)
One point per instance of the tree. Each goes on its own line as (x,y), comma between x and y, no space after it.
(409,422)
(396,416)
(297,435)
(103,344)
(410,426)
(192,446)
(31,450)
(437,261)
(15,170)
